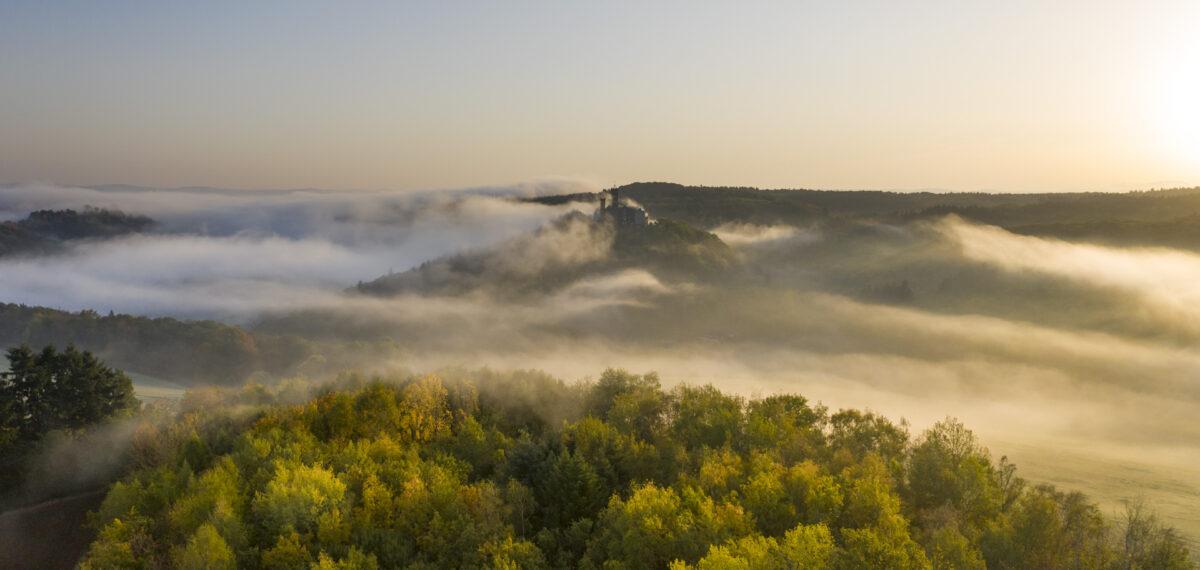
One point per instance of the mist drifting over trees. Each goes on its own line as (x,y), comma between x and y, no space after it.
(1051,326)
(523,470)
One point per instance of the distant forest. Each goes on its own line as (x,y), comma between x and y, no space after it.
(44,231)
(1149,218)
(184,351)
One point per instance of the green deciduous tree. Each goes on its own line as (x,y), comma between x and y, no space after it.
(788,425)
(860,433)
(949,468)
(705,416)
(804,547)
(205,550)
(634,404)
(425,412)
(296,497)
(656,526)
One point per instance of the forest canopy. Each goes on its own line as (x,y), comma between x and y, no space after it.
(522,470)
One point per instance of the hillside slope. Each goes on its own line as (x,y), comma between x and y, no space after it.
(45,231)
(561,253)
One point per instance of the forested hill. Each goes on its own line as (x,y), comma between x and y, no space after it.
(186,352)
(181,351)
(521,470)
(708,207)
(44,231)
(561,253)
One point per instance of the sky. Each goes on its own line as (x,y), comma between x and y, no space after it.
(927,94)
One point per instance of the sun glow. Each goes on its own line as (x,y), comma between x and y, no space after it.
(1177,107)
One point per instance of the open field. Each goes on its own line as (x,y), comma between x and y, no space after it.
(1167,485)
(149,388)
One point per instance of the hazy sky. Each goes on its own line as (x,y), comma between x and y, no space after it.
(1015,95)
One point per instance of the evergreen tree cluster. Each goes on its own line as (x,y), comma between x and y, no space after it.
(49,390)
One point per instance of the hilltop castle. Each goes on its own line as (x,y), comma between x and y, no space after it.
(619,214)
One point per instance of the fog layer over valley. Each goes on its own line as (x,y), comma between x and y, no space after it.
(234,254)
(1033,341)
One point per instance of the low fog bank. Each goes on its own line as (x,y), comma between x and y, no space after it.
(1114,443)
(1044,342)
(997,376)
(943,313)
(232,255)
(69,465)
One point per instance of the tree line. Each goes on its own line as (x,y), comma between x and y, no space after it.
(185,352)
(708,207)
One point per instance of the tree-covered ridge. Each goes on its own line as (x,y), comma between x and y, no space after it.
(707,206)
(521,470)
(673,249)
(181,351)
(561,253)
(166,347)
(1160,218)
(44,231)
(1181,233)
